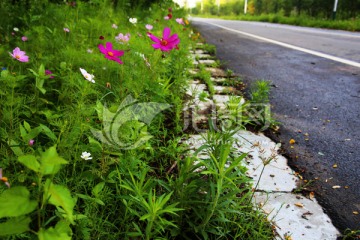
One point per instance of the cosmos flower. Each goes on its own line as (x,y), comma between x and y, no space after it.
(167,42)
(31,142)
(87,75)
(123,38)
(180,21)
(86,156)
(48,72)
(4,179)
(19,55)
(111,53)
(149,27)
(133,20)
(66,30)
(24,38)
(114,26)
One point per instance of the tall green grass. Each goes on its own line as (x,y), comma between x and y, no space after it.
(47,123)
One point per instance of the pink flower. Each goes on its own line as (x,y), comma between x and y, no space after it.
(66,30)
(123,38)
(149,27)
(48,72)
(114,26)
(31,142)
(4,179)
(24,38)
(180,21)
(19,55)
(166,18)
(167,42)
(111,53)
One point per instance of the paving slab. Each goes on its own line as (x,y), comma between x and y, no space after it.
(296,216)
(202,56)
(224,90)
(195,88)
(218,80)
(269,170)
(216,72)
(207,61)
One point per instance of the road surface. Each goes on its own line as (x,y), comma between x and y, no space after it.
(315,74)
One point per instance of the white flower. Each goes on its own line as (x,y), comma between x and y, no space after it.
(86,156)
(89,50)
(133,20)
(114,26)
(87,76)
(16,29)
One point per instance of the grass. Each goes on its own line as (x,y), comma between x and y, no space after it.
(104,160)
(348,25)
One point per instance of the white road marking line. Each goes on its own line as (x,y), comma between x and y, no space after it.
(319,54)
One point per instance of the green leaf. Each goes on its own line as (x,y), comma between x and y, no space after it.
(51,161)
(60,196)
(40,78)
(62,231)
(27,126)
(33,133)
(48,132)
(15,226)
(15,148)
(30,162)
(98,188)
(15,202)
(23,132)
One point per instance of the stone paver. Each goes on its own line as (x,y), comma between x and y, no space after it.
(296,216)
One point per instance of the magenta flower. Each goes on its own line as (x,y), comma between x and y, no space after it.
(4,179)
(19,55)
(48,72)
(111,53)
(24,38)
(167,42)
(149,27)
(123,38)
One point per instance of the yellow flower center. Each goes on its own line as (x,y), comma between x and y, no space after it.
(163,42)
(110,54)
(4,179)
(17,56)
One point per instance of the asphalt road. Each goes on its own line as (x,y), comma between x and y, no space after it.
(315,75)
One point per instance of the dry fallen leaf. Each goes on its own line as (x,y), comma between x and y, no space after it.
(299,205)
(355,212)
(311,195)
(336,186)
(292,141)
(335,165)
